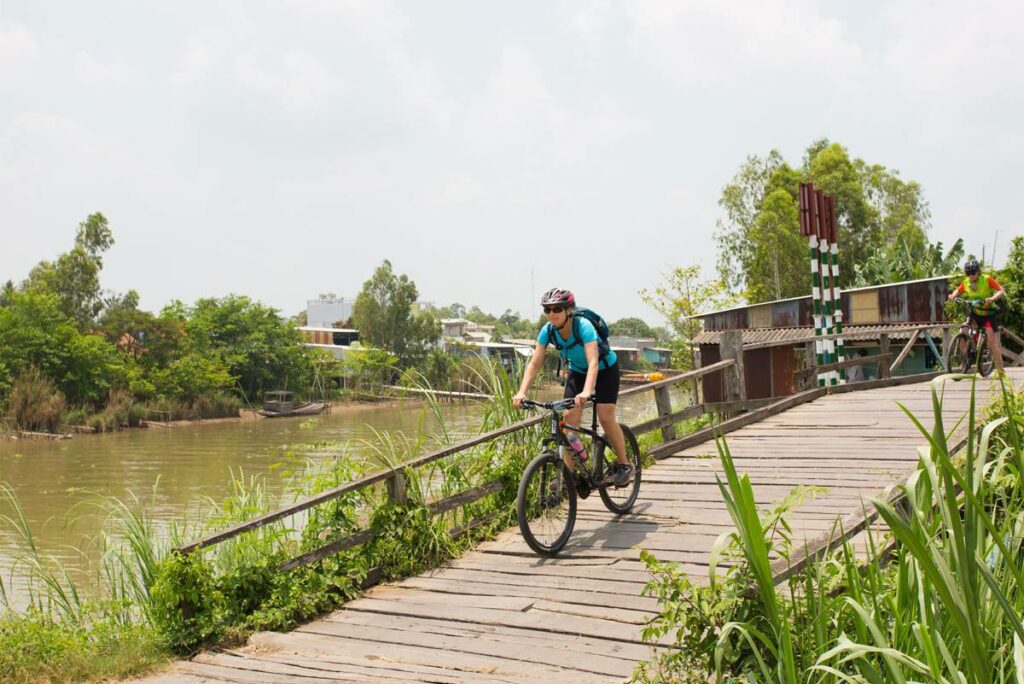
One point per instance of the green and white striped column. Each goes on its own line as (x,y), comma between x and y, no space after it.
(827,303)
(819,344)
(837,305)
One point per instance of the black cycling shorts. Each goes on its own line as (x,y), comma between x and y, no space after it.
(607,388)
(992,321)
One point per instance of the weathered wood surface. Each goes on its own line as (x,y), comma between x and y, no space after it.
(500,614)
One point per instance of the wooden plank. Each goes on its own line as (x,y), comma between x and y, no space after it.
(905,351)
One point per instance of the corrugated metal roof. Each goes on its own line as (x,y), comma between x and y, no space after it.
(798,335)
(844,291)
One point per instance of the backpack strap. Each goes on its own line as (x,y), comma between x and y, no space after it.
(603,348)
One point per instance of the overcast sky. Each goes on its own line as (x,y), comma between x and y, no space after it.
(489,150)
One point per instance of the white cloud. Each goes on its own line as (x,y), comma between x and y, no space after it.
(589,20)
(19,51)
(94,73)
(299,83)
(519,111)
(459,190)
(720,42)
(203,53)
(955,50)
(348,179)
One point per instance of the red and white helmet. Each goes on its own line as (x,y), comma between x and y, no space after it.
(556,296)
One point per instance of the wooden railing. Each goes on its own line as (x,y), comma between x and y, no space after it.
(395,478)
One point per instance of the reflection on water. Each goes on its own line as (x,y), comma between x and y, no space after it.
(173,470)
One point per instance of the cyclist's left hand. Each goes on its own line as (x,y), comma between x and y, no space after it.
(989,300)
(581,399)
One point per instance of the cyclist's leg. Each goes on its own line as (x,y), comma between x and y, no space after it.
(992,324)
(573,386)
(607,391)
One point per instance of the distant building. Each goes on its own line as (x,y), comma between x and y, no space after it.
(634,349)
(328,309)
(893,309)
(337,341)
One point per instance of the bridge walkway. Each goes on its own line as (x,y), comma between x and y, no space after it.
(500,614)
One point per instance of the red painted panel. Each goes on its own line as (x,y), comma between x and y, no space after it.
(757,373)
(784,364)
(713,385)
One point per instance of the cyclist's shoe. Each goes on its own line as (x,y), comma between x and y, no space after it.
(623,474)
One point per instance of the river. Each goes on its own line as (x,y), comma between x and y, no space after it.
(174,469)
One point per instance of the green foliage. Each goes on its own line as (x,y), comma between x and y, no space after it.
(630,327)
(1011,277)
(74,277)
(944,605)
(882,221)
(680,298)
(35,332)
(35,404)
(257,348)
(384,317)
(367,369)
(37,648)
(186,608)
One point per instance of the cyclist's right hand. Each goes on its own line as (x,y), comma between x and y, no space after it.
(518,400)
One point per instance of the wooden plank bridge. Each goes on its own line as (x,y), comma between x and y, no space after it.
(501,614)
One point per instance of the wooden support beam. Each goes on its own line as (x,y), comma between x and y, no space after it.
(801,374)
(730,345)
(883,368)
(905,351)
(664,405)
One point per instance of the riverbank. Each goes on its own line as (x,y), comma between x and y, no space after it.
(244,415)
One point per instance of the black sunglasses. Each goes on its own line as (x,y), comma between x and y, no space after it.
(554,309)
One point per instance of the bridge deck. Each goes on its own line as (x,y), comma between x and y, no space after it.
(500,614)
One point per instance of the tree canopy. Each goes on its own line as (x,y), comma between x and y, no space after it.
(383,314)
(882,222)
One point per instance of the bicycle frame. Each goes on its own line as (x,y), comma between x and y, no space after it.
(592,474)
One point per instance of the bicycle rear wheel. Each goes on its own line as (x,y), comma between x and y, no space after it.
(958,358)
(546,504)
(985,361)
(620,500)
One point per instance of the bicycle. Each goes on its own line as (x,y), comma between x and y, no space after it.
(969,345)
(548,490)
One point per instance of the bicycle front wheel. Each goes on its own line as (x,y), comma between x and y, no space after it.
(546,504)
(985,361)
(958,358)
(620,499)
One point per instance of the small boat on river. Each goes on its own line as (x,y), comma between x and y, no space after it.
(280,404)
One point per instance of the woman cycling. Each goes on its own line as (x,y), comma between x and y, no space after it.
(587,373)
(987,290)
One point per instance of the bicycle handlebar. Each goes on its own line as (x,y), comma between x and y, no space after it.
(560,405)
(969,302)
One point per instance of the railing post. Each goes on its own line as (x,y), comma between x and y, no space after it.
(664,403)
(397,492)
(731,347)
(810,380)
(883,365)
(946,330)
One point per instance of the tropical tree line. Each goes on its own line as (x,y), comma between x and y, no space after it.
(73,353)
(883,222)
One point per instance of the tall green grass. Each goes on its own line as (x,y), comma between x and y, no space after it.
(147,603)
(945,606)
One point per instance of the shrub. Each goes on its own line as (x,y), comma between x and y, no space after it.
(35,405)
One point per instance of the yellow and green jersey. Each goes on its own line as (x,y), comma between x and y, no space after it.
(983,289)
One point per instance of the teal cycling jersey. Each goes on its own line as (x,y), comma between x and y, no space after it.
(574,353)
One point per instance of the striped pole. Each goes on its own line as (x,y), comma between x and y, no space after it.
(808,229)
(818,208)
(837,300)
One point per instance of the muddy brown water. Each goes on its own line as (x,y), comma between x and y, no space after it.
(174,470)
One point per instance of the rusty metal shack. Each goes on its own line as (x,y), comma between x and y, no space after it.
(778,336)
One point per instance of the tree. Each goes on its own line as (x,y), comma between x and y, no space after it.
(260,350)
(681,297)
(383,315)
(761,252)
(74,276)
(1011,277)
(630,327)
